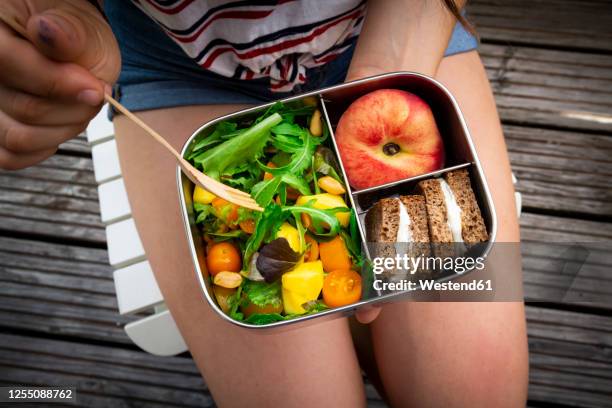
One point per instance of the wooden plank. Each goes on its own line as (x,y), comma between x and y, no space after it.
(13,181)
(562,170)
(55,318)
(59,168)
(570,357)
(56,198)
(545,228)
(576,24)
(105,373)
(77,145)
(577,272)
(58,289)
(553,88)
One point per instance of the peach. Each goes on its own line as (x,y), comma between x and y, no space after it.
(388,135)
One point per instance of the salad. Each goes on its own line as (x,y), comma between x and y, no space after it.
(302,254)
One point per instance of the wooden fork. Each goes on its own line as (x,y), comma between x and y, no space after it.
(219,189)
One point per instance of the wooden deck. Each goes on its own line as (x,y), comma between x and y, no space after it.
(550,63)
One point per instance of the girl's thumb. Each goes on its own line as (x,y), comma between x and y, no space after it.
(58,34)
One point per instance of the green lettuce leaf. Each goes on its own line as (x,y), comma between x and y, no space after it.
(262,293)
(246,146)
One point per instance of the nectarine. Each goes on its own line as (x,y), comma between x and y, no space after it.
(388,135)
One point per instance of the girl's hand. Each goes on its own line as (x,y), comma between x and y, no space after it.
(57,58)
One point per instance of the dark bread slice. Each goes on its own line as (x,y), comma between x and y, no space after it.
(382,224)
(473,228)
(436,210)
(415,206)
(382,221)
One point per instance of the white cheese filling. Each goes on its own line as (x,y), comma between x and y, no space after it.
(404,233)
(453,211)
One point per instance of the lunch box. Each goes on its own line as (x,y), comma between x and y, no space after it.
(333,101)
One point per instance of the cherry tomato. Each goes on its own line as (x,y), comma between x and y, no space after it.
(312,253)
(223,256)
(341,287)
(334,254)
(228,215)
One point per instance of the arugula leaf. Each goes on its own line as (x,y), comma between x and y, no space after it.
(245,147)
(296,182)
(300,159)
(266,226)
(202,211)
(319,217)
(287,143)
(287,128)
(314,176)
(352,240)
(325,163)
(264,191)
(234,303)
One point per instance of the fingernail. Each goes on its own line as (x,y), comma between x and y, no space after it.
(108,90)
(90,97)
(45,32)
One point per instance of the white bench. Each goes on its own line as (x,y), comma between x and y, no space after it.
(136,288)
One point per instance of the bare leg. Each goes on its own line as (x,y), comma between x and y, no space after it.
(461,354)
(314,366)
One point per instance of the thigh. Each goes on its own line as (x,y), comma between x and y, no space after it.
(462,354)
(302,367)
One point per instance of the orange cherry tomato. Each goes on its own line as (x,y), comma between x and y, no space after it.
(248,226)
(334,254)
(223,256)
(341,287)
(312,253)
(231,215)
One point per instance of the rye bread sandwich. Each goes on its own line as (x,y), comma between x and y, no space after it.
(453,214)
(398,226)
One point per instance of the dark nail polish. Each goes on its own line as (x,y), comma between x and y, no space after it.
(45,32)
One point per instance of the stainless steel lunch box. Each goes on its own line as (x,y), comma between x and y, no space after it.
(334,100)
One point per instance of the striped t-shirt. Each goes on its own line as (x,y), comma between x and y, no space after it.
(276,39)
